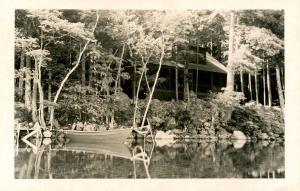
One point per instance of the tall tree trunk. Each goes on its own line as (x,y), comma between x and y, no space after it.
(34,93)
(21,79)
(211,46)
(117,83)
(264,86)
(250,86)
(279,88)
(256,87)
(41,95)
(185,83)
(49,89)
(242,81)
(27,96)
(176,83)
(147,82)
(282,79)
(230,72)
(153,87)
(69,73)
(134,82)
(136,99)
(92,63)
(83,65)
(107,115)
(269,86)
(197,78)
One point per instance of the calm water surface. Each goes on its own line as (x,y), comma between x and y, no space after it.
(201,159)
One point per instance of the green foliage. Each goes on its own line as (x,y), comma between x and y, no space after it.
(22,113)
(50,21)
(90,107)
(253,120)
(227,98)
(200,110)
(57,36)
(195,116)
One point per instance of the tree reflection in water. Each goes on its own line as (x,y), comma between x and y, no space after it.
(201,159)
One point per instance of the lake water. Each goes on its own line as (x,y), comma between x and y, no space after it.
(194,159)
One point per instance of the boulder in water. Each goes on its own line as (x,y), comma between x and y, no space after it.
(46,141)
(47,133)
(164,135)
(238,143)
(164,142)
(177,131)
(89,127)
(238,135)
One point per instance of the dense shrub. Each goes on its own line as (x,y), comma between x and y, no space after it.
(165,115)
(197,116)
(92,107)
(254,120)
(246,120)
(22,113)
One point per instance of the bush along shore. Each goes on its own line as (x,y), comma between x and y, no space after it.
(218,116)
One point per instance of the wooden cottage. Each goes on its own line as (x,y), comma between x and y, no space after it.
(195,70)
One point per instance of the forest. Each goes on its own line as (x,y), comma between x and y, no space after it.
(75,67)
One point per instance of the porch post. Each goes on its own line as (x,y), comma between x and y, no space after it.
(170,75)
(186,83)
(197,81)
(133,81)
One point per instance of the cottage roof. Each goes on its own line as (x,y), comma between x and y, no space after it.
(212,65)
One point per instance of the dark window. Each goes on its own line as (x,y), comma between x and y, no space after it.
(203,78)
(167,78)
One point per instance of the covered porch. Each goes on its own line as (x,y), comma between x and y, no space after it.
(199,78)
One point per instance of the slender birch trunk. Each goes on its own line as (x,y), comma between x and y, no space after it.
(21,79)
(282,79)
(242,81)
(49,90)
(63,83)
(83,65)
(153,87)
(41,95)
(27,96)
(250,86)
(92,63)
(269,86)
(264,86)
(133,82)
(279,88)
(211,46)
(230,72)
(117,83)
(68,74)
(136,99)
(147,83)
(136,95)
(256,87)
(186,83)
(34,93)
